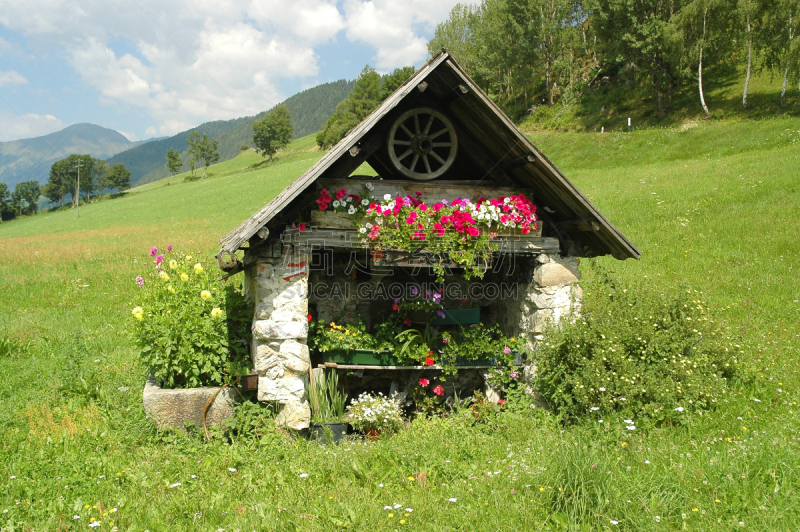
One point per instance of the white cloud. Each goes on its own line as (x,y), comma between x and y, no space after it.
(11,77)
(130,136)
(393,27)
(187,62)
(14,126)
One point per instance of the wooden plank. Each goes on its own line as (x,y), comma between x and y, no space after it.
(431,190)
(579,225)
(334,365)
(348,239)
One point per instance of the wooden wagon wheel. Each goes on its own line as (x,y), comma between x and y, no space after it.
(422,144)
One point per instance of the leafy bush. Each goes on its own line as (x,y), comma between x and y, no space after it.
(192,330)
(636,351)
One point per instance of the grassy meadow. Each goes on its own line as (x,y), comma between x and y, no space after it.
(713,207)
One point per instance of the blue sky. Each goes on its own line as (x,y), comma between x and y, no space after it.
(152,68)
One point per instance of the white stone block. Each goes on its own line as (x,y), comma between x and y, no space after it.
(557,271)
(280,330)
(295,416)
(284,389)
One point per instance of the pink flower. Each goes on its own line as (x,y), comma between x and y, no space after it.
(160,259)
(438,390)
(153,251)
(429,362)
(169,248)
(506,350)
(501,401)
(140,281)
(446,340)
(514,374)
(424,382)
(301,226)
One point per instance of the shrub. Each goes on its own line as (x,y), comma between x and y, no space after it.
(375,413)
(192,330)
(639,352)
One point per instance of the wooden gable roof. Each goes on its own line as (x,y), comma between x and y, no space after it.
(491,148)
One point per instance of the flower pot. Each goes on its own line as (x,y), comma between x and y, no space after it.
(361,356)
(328,432)
(378,256)
(464,316)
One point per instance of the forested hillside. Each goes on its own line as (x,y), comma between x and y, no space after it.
(583,62)
(309,111)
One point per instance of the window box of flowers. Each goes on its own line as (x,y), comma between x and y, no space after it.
(462,231)
(192,332)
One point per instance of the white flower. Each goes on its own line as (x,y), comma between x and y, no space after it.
(368,225)
(630,427)
(387,507)
(396,506)
(613,522)
(362,230)
(629,422)
(175,485)
(232,469)
(599,420)
(380,485)
(351,210)
(409,510)
(303,475)
(387,197)
(94,524)
(76,517)
(647,461)
(336,203)
(369,186)
(756,400)
(602,389)
(594,408)
(452,499)
(364,202)
(622,399)
(679,409)
(12,477)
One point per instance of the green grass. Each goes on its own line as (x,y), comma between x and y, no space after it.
(713,207)
(611,106)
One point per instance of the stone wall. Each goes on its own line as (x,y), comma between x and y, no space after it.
(278,288)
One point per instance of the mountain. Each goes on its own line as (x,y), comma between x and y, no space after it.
(31,159)
(309,110)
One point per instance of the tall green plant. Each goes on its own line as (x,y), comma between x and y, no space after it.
(327,399)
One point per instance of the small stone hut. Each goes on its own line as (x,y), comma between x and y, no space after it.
(439,135)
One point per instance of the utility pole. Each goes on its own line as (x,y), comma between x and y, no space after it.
(78,192)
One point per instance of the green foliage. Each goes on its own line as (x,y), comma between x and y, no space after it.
(638,352)
(6,205)
(273,132)
(366,96)
(191,329)
(326,398)
(254,422)
(174,161)
(392,81)
(202,150)
(326,337)
(64,176)
(118,178)
(25,197)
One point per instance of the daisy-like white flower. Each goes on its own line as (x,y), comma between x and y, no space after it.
(452,499)
(232,469)
(679,409)
(303,475)
(387,197)
(602,389)
(177,484)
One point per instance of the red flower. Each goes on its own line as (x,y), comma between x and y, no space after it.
(408,322)
(439,390)
(323,206)
(429,361)
(395,306)
(418,194)
(424,382)
(309,317)
(301,226)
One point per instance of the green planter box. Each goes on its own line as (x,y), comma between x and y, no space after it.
(361,356)
(464,316)
(479,362)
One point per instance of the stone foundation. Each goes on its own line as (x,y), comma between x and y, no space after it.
(541,291)
(278,287)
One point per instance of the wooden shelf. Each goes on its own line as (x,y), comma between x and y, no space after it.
(417,368)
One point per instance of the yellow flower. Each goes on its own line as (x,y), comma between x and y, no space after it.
(391,515)
(717,500)
(216,312)
(138,313)
(402,521)
(173,264)
(695,510)
(171,289)
(184,277)
(205,294)
(198,268)
(164,276)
